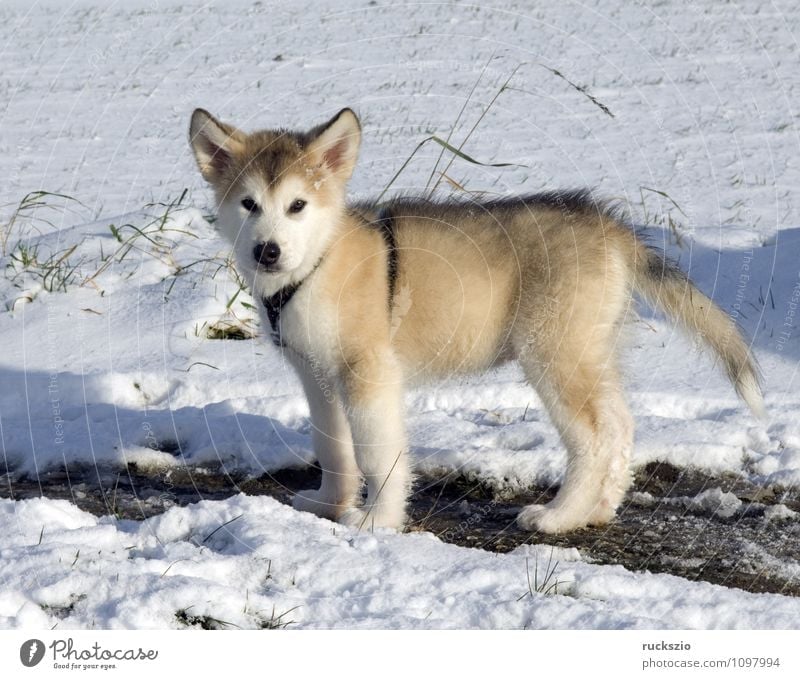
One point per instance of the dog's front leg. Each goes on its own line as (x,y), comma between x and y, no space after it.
(373,395)
(333,445)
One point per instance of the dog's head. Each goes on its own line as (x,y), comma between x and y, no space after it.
(280,194)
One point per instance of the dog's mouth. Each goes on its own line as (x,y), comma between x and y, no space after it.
(269,268)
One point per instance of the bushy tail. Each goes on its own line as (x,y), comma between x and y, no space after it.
(664,285)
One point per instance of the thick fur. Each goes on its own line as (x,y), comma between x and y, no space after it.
(547,280)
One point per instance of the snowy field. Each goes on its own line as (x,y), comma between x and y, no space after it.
(116,289)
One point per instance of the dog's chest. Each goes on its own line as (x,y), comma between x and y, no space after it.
(305,326)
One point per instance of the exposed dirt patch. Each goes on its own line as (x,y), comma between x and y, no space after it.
(661,527)
(701,528)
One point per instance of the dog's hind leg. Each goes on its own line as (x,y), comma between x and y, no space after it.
(587,408)
(333,446)
(566,335)
(617,477)
(373,388)
(568,354)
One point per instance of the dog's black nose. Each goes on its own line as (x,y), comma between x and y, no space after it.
(267,254)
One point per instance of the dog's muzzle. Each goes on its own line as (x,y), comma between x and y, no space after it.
(267,255)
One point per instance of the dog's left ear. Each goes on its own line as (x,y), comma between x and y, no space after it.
(335,143)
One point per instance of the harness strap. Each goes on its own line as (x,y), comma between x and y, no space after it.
(385,223)
(274,305)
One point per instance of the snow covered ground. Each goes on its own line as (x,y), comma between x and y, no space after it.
(108,296)
(272,565)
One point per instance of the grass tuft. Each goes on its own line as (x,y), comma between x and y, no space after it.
(277,621)
(29,211)
(201,621)
(544,584)
(226,330)
(662,217)
(455,152)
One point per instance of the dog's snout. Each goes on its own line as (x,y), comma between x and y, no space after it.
(267,254)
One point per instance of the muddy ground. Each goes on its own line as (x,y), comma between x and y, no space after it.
(656,529)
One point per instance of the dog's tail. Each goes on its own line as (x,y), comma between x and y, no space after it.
(663,284)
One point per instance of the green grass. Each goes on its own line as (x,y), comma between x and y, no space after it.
(206,622)
(274,621)
(25,260)
(151,239)
(33,210)
(449,150)
(56,271)
(543,582)
(664,217)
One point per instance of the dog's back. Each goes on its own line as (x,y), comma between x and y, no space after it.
(477,281)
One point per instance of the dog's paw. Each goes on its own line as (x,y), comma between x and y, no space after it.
(548,520)
(316,503)
(602,515)
(368,519)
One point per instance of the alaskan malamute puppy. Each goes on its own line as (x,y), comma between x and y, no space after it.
(364,299)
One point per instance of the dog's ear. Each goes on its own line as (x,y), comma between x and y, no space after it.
(214,144)
(335,143)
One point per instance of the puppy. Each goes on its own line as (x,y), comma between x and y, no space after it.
(366,298)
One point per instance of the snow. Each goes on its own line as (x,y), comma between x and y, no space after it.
(234,561)
(96,102)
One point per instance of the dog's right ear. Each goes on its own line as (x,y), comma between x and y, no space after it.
(214,144)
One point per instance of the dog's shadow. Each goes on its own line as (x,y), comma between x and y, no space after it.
(758,285)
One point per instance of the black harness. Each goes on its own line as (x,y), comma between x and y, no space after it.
(274,303)
(385,223)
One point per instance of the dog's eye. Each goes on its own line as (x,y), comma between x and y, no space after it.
(297,206)
(250,205)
